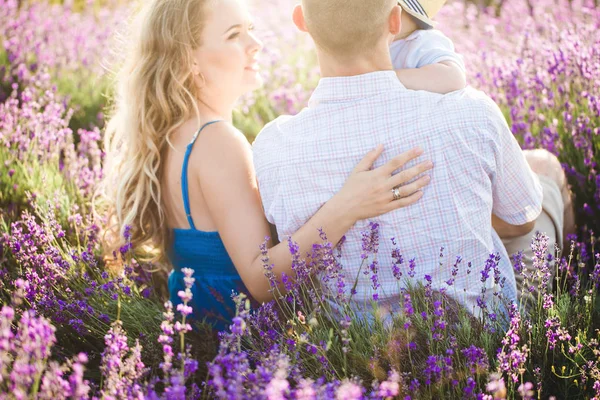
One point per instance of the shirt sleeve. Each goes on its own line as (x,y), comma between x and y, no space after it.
(432,47)
(263,149)
(516,189)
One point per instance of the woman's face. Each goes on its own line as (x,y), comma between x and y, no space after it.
(227,57)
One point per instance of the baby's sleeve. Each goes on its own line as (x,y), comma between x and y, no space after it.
(432,47)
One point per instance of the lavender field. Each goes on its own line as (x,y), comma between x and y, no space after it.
(75,324)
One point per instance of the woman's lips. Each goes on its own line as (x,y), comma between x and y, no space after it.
(253,67)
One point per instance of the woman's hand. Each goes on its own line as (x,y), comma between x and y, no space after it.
(369,193)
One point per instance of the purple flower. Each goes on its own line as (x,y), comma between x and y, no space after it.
(436,367)
(239,326)
(411,267)
(397,262)
(476,359)
(391,387)
(370,240)
(496,386)
(349,391)
(526,391)
(512,356)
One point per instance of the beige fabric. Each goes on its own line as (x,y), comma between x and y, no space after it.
(550,222)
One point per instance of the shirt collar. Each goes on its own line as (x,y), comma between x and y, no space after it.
(342,88)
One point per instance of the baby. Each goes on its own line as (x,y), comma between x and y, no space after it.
(423,57)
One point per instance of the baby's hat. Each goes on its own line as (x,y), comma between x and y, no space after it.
(422,10)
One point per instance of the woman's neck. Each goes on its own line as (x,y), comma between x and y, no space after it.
(212,109)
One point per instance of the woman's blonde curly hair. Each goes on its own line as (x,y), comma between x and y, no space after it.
(155,94)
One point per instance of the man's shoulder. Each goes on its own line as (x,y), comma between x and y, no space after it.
(270,143)
(472,97)
(472,106)
(269,132)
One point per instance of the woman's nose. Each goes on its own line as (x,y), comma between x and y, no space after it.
(255,44)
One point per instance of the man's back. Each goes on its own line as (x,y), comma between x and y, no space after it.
(302,161)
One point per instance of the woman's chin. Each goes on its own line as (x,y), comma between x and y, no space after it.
(254,82)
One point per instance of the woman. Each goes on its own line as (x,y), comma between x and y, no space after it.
(181,176)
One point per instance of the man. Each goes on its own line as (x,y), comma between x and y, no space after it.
(480,170)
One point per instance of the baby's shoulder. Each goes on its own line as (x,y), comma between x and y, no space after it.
(429,36)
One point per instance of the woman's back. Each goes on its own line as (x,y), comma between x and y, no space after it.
(171,183)
(194,244)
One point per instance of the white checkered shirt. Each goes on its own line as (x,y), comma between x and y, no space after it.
(302,161)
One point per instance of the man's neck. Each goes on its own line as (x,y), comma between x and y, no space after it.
(332,67)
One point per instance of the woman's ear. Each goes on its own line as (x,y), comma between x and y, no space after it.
(195,68)
(395,20)
(298,18)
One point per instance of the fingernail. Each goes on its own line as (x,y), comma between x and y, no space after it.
(427,178)
(430,164)
(419,151)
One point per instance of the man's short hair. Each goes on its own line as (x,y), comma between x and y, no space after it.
(347,27)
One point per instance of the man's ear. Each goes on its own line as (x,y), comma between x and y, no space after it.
(395,20)
(298,18)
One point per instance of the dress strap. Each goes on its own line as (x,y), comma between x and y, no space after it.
(184,175)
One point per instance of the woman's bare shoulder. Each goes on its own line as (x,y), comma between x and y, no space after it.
(220,131)
(220,143)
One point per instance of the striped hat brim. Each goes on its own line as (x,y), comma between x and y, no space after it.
(414,8)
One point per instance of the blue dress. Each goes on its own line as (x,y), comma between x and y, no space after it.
(204,252)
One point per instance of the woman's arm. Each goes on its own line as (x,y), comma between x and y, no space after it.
(443,77)
(224,161)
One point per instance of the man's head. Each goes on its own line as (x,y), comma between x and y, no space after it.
(345,29)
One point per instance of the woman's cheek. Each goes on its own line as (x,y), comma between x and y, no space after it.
(220,60)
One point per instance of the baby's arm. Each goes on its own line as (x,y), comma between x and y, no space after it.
(443,77)
(427,61)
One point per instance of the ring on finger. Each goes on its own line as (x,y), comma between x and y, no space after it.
(396,193)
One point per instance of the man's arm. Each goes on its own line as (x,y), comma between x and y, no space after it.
(516,190)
